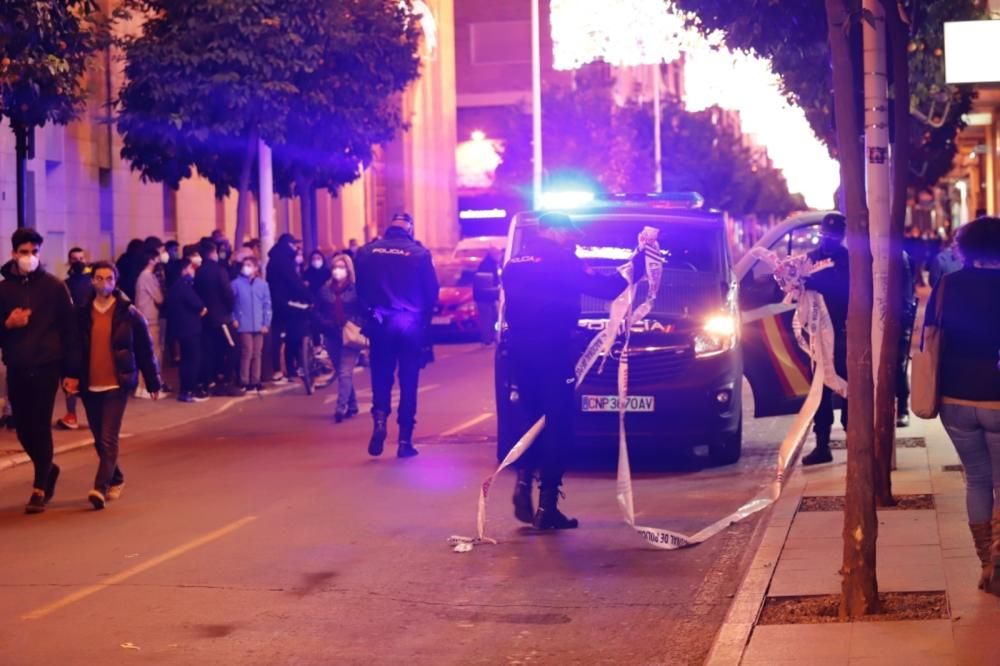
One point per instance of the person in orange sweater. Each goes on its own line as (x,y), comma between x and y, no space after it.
(116,347)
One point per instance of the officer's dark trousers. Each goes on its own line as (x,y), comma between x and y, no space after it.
(823,421)
(397,342)
(32,394)
(545,380)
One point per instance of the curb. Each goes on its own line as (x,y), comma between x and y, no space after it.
(18,459)
(734,635)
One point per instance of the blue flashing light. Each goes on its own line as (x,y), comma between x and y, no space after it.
(690,200)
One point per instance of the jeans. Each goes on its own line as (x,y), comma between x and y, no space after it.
(105,411)
(397,341)
(32,397)
(975,432)
(190,363)
(347,358)
(251,355)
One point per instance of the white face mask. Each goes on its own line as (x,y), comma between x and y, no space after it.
(299,259)
(248,270)
(317,264)
(164,257)
(339,273)
(27,264)
(196,261)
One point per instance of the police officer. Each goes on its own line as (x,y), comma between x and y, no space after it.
(397,288)
(834,285)
(542,290)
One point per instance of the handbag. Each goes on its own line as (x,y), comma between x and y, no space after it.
(352,336)
(925,396)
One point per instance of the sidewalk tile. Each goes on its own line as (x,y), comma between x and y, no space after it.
(799,643)
(909,640)
(908,528)
(948,503)
(910,568)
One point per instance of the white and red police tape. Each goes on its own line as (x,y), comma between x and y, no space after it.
(811,310)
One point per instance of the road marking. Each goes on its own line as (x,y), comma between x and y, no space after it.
(468,424)
(367,393)
(80,595)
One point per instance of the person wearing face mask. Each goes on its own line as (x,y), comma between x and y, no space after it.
(834,285)
(317,273)
(340,315)
(252,319)
(80,290)
(220,357)
(149,301)
(287,286)
(40,345)
(117,348)
(185,312)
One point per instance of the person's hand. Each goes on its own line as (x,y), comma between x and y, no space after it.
(154,395)
(236,324)
(18,318)
(204,311)
(71,386)
(264,330)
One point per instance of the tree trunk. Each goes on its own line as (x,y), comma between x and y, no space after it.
(243,205)
(859,587)
(21,135)
(304,188)
(265,188)
(885,397)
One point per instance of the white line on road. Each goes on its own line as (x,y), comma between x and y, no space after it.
(79,595)
(367,393)
(468,424)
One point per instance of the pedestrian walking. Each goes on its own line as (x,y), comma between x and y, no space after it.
(398,289)
(149,301)
(80,289)
(342,320)
(486,294)
(40,347)
(219,356)
(185,313)
(963,306)
(117,347)
(287,290)
(543,289)
(834,285)
(252,320)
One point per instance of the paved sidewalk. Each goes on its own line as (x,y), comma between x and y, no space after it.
(141,418)
(918,550)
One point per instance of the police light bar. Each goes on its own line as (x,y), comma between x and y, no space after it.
(482,214)
(690,200)
(565,199)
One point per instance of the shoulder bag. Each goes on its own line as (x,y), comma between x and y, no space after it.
(352,336)
(925,396)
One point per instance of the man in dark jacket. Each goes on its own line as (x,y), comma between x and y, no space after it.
(130,265)
(542,310)
(80,291)
(185,311)
(287,290)
(116,347)
(834,284)
(397,287)
(40,346)
(213,286)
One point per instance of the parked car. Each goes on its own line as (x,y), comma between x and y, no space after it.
(470,252)
(455,312)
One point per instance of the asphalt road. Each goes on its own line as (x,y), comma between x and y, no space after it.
(267,535)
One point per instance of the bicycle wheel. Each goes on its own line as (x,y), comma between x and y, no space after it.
(308,364)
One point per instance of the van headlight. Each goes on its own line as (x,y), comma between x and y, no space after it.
(718,335)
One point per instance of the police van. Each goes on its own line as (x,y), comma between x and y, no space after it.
(685,357)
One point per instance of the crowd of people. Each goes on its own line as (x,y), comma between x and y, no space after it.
(105,332)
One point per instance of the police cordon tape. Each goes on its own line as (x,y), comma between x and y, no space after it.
(811,315)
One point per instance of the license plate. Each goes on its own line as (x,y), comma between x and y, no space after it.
(609,403)
(441,321)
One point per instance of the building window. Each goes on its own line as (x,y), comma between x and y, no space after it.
(501,42)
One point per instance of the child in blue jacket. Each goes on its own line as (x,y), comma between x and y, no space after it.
(252,319)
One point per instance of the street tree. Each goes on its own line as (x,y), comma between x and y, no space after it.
(45,47)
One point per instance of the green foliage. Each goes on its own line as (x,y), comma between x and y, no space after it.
(44,50)
(792,35)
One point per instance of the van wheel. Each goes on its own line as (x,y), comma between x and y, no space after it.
(727,448)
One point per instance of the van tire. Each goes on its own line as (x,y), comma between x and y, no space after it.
(727,448)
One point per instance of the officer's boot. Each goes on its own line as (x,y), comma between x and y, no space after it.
(524,504)
(406,449)
(821,454)
(379,433)
(548,516)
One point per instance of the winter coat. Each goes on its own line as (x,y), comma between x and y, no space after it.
(80,286)
(213,286)
(396,276)
(149,296)
(131,345)
(184,308)
(333,315)
(252,310)
(51,335)
(284,280)
(315,278)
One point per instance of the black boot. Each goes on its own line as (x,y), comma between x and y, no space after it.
(379,433)
(548,516)
(406,449)
(524,504)
(821,454)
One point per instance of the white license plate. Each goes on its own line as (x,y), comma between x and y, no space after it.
(441,321)
(609,403)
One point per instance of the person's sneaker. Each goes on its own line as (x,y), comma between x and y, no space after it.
(115,492)
(143,394)
(50,486)
(97,499)
(185,397)
(352,411)
(818,457)
(278,377)
(338,417)
(903,420)
(201,395)
(406,450)
(69,422)
(36,503)
(260,389)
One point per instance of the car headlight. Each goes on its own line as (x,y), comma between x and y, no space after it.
(718,335)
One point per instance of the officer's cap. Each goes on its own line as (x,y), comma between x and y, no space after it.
(834,224)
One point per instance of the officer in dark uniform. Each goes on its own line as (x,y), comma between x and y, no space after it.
(398,289)
(542,290)
(834,284)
